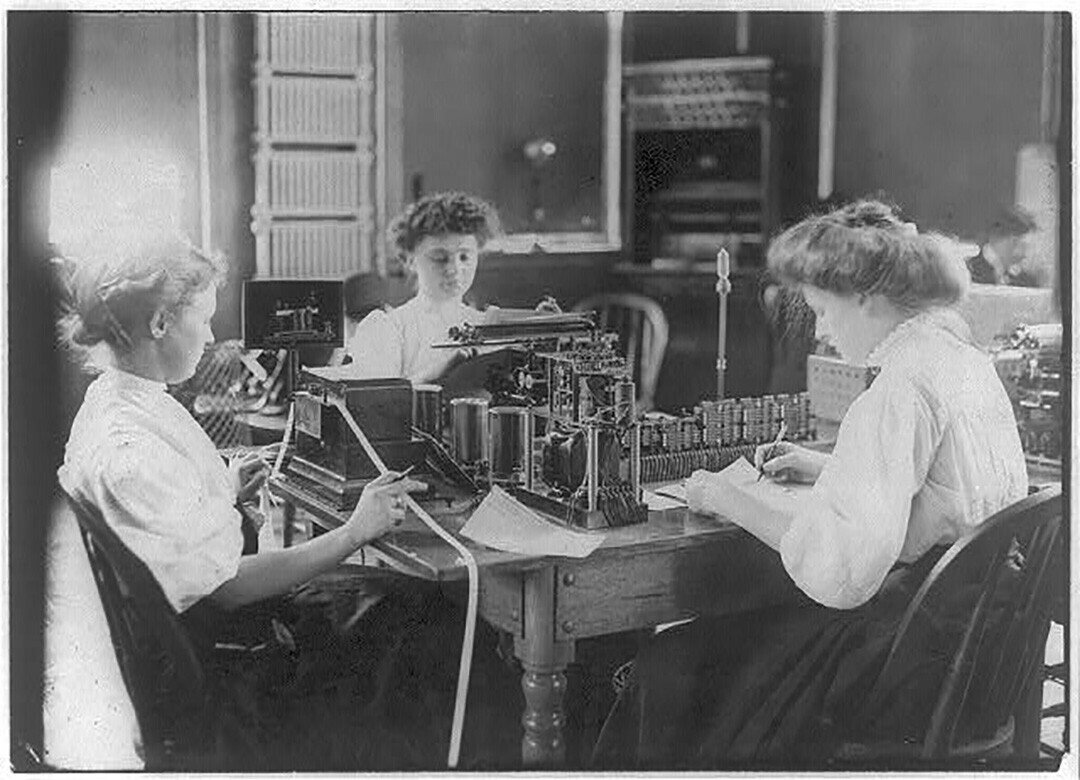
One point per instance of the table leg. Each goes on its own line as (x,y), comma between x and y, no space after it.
(544,679)
(289,519)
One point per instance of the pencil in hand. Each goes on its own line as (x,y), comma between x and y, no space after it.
(772,450)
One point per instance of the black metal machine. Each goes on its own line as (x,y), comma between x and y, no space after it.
(556,425)
(580,396)
(327,457)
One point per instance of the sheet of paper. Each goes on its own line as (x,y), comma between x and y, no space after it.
(332,373)
(504,523)
(659,500)
(780,496)
(676,490)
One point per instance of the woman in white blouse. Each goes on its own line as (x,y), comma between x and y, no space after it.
(439,238)
(927,452)
(142,459)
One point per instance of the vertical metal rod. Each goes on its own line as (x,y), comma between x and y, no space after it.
(527,466)
(723,287)
(635,460)
(592,464)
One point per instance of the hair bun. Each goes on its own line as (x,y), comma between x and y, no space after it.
(870,214)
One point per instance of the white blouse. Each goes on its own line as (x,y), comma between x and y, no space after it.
(930,450)
(143,460)
(398,343)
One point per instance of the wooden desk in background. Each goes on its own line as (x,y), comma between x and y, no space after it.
(672,567)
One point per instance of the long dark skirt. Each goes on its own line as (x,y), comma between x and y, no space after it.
(778,688)
(356,671)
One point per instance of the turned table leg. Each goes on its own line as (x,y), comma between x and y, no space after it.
(544,679)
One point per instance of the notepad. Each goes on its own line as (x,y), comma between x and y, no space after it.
(504,523)
(737,487)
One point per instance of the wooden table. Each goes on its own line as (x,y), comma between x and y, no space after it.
(676,565)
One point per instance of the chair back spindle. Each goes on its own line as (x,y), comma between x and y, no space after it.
(1007,563)
(642,327)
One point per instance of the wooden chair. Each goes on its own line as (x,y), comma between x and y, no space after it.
(1057,673)
(175,704)
(991,721)
(643,336)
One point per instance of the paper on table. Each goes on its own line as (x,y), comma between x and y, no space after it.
(661,499)
(503,522)
(741,475)
(676,490)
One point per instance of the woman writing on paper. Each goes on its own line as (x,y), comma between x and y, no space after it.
(927,452)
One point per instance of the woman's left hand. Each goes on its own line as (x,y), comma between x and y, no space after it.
(549,305)
(248,472)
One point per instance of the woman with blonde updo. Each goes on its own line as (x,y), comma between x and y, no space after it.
(354,672)
(929,451)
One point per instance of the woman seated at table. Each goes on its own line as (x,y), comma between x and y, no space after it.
(440,239)
(929,451)
(357,671)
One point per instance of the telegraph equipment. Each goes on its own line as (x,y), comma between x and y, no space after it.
(328,459)
(716,433)
(556,426)
(1028,360)
(580,394)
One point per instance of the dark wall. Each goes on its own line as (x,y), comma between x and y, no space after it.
(37,68)
(477,86)
(933,108)
(521,281)
(793,42)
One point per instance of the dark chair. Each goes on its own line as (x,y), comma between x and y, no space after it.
(991,720)
(176,706)
(1057,673)
(643,336)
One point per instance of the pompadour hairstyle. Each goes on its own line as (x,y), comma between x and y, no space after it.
(442,214)
(866,248)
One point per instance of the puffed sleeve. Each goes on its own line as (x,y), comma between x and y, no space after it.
(377,347)
(842,544)
(187,535)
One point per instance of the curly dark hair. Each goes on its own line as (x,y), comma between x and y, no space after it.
(443,214)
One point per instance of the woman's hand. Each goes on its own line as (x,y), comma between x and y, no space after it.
(247,472)
(381,506)
(549,305)
(790,462)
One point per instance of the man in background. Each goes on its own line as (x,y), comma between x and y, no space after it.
(1001,257)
